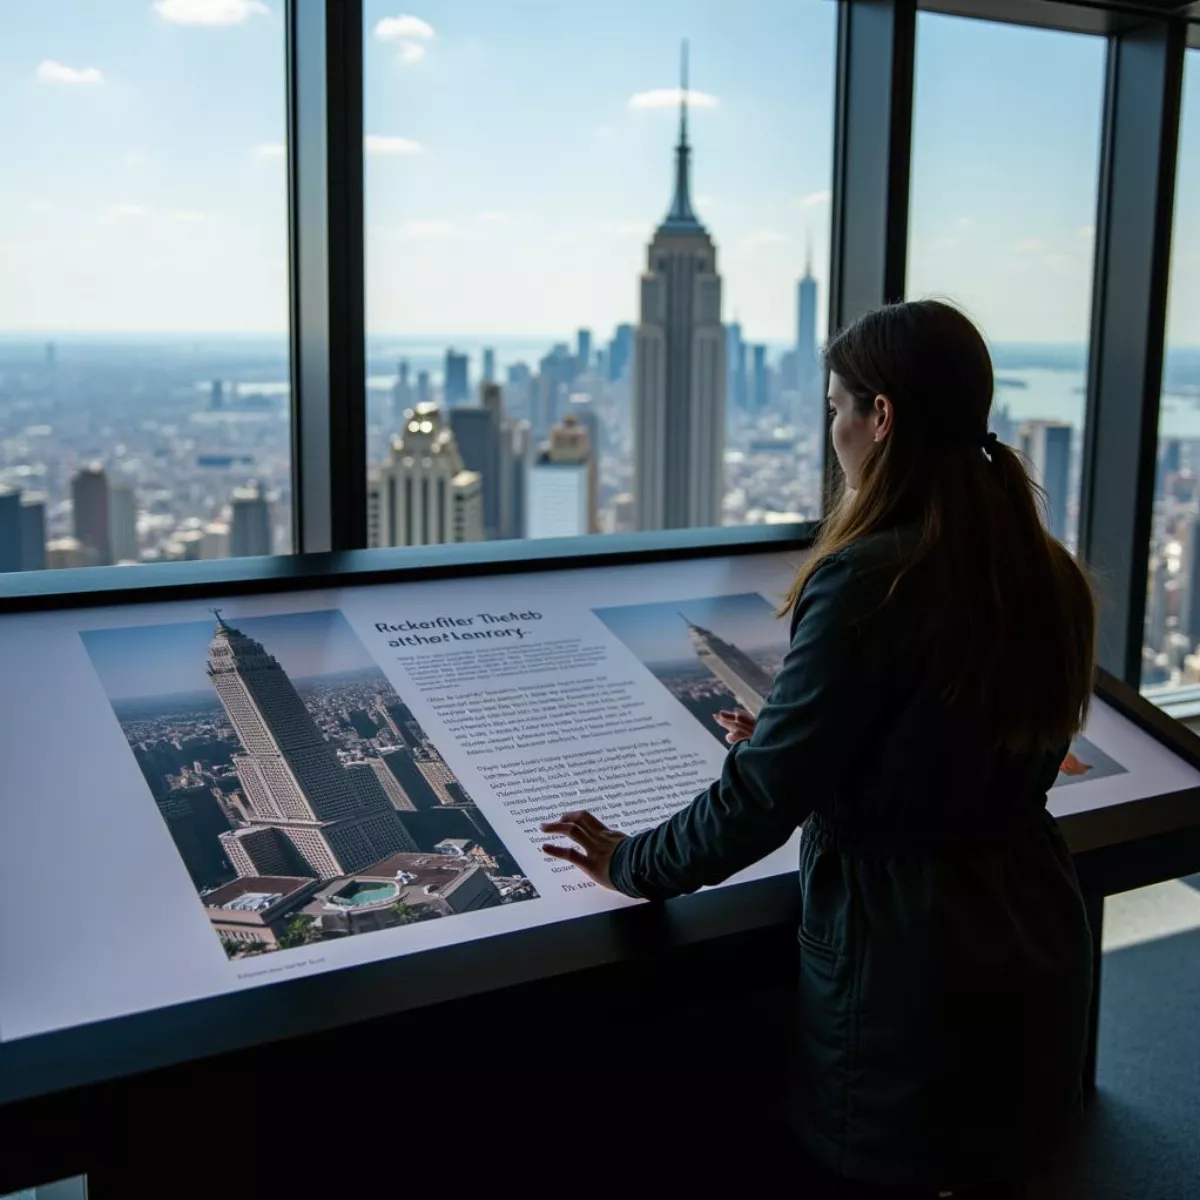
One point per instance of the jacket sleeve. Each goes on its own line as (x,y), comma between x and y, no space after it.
(771,782)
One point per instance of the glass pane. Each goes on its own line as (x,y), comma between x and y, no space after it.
(144,371)
(566,335)
(1170,669)
(1006,151)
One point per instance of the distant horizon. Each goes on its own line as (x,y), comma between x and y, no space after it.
(297,680)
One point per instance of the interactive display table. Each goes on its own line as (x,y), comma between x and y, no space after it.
(243,802)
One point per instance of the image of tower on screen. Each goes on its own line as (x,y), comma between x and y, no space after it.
(714,653)
(1085,760)
(305,799)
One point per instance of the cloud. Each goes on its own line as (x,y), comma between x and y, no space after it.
(761,238)
(814,199)
(1029,245)
(208,12)
(411,53)
(493,218)
(377,143)
(421,230)
(671,98)
(271,150)
(56,72)
(126,212)
(403,27)
(191,218)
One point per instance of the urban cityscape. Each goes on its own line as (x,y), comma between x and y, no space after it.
(158,449)
(304,809)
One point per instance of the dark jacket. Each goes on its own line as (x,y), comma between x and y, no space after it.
(945,957)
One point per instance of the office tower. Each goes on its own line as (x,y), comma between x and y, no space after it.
(89,498)
(583,407)
(1158,604)
(583,350)
(476,428)
(489,365)
(679,370)
(291,777)
(402,394)
(620,351)
(1047,446)
(250,524)
(33,532)
(10,529)
(216,396)
(457,385)
(807,364)
(748,682)
(562,485)
(424,495)
(122,522)
(516,463)
(735,364)
(389,780)
(556,372)
(214,540)
(1169,462)
(67,552)
(762,380)
(424,389)
(624,513)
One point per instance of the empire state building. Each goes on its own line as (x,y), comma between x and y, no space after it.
(679,370)
(309,813)
(749,683)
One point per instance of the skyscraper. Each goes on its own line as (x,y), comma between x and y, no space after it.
(304,805)
(679,368)
(476,429)
(216,396)
(620,351)
(457,386)
(402,394)
(424,494)
(33,532)
(89,498)
(762,380)
(122,522)
(515,461)
(562,485)
(583,350)
(424,389)
(748,682)
(1047,446)
(250,526)
(806,327)
(735,363)
(10,529)
(489,365)
(556,371)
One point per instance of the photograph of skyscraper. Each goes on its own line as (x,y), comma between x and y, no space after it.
(305,799)
(711,654)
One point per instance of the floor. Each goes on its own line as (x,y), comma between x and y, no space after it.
(1142,1138)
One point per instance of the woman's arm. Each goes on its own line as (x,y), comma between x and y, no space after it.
(804,737)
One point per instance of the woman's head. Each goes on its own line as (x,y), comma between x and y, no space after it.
(910,390)
(910,381)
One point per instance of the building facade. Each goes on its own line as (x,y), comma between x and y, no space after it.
(424,495)
(679,368)
(305,807)
(90,512)
(250,524)
(562,485)
(749,683)
(1047,446)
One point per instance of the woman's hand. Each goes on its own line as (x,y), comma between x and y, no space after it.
(737,723)
(594,844)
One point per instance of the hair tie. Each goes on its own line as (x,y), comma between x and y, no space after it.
(989,442)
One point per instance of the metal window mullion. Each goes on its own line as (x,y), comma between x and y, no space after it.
(872,143)
(1129,302)
(325,210)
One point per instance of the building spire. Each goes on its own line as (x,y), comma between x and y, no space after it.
(681,217)
(808,257)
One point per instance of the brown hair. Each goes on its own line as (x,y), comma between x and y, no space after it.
(1014,634)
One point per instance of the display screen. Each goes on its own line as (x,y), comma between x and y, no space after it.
(207,796)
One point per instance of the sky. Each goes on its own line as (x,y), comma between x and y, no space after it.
(519,157)
(139,661)
(657,633)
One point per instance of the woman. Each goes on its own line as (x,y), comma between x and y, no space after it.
(941,660)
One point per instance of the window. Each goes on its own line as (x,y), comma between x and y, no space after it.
(144,375)
(561,303)
(1170,667)
(1006,145)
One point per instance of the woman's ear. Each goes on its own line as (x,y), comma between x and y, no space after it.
(884,414)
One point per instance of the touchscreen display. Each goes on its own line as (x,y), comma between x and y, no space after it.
(213,795)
